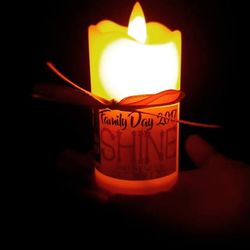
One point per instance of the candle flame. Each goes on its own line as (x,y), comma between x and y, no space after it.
(137,24)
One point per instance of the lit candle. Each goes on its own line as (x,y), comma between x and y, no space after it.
(137,153)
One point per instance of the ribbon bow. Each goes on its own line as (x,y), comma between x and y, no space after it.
(131,103)
(165,97)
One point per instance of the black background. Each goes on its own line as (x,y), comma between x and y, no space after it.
(214,77)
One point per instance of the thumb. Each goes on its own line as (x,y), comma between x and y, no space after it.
(199,150)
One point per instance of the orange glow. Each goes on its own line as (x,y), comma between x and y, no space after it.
(137,25)
(135,64)
(120,66)
(143,58)
(117,186)
(137,187)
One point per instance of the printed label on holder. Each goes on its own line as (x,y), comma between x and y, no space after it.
(135,145)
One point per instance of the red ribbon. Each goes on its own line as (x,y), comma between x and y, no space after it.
(165,97)
(130,103)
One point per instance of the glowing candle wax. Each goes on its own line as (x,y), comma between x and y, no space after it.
(137,153)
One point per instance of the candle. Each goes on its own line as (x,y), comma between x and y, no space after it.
(136,151)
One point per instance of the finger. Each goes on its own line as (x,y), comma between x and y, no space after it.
(199,150)
(95,196)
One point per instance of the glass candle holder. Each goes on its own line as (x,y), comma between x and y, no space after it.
(137,152)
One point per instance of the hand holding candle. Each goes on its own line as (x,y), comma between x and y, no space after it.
(199,194)
(135,80)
